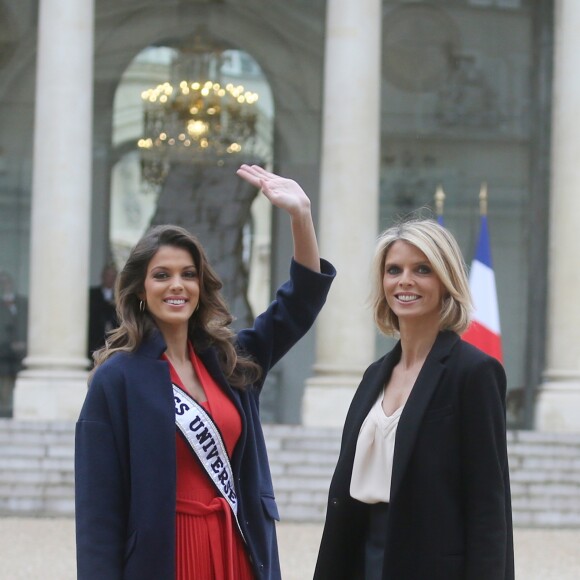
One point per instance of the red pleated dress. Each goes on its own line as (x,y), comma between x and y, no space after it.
(208,544)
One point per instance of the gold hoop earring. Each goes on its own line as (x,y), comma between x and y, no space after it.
(142,305)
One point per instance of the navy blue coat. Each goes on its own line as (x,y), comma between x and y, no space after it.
(450,508)
(125,463)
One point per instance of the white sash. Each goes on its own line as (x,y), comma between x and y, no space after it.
(206,442)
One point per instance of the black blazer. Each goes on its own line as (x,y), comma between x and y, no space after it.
(450,509)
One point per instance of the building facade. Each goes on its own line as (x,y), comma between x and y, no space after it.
(369,105)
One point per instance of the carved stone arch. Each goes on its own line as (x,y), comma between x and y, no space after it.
(278,38)
(209,201)
(286,43)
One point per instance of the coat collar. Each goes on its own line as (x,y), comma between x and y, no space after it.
(370,388)
(153,345)
(210,360)
(417,404)
(364,398)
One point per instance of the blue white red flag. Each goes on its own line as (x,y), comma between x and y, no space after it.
(484,331)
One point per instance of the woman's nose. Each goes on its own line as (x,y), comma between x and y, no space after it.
(176,283)
(406,279)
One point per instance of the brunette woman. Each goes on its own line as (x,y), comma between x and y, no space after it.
(172,476)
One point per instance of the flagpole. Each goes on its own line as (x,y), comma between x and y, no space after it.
(439,203)
(483,199)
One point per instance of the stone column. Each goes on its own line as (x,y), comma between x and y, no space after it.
(53,383)
(349,193)
(558,402)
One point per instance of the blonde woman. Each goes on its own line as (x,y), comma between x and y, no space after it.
(421,488)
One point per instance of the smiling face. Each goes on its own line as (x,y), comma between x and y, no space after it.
(412,289)
(171,288)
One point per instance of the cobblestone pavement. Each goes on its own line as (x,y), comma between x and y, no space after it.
(43,549)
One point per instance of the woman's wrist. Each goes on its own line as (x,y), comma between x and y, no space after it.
(302,212)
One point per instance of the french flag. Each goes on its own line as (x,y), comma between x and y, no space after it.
(484,331)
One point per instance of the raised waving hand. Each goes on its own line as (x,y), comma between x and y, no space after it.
(289,196)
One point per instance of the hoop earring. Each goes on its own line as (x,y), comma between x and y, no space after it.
(142,305)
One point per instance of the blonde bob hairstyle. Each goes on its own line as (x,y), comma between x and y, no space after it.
(444,256)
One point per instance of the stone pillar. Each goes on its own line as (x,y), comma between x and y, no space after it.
(53,383)
(349,194)
(558,402)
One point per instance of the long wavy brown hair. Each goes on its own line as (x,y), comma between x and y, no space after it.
(208,326)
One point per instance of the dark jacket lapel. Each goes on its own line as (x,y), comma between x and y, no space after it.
(365,397)
(371,387)
(417,404)
(209,359)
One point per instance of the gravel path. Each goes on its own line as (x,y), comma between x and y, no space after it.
(43,549)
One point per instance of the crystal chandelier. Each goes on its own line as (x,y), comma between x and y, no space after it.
(196,117)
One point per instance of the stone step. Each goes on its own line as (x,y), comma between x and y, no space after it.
(545,474)
(36,471)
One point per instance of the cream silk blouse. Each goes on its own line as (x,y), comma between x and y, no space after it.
(372,469)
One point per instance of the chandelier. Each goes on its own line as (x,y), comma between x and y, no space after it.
(196,117)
